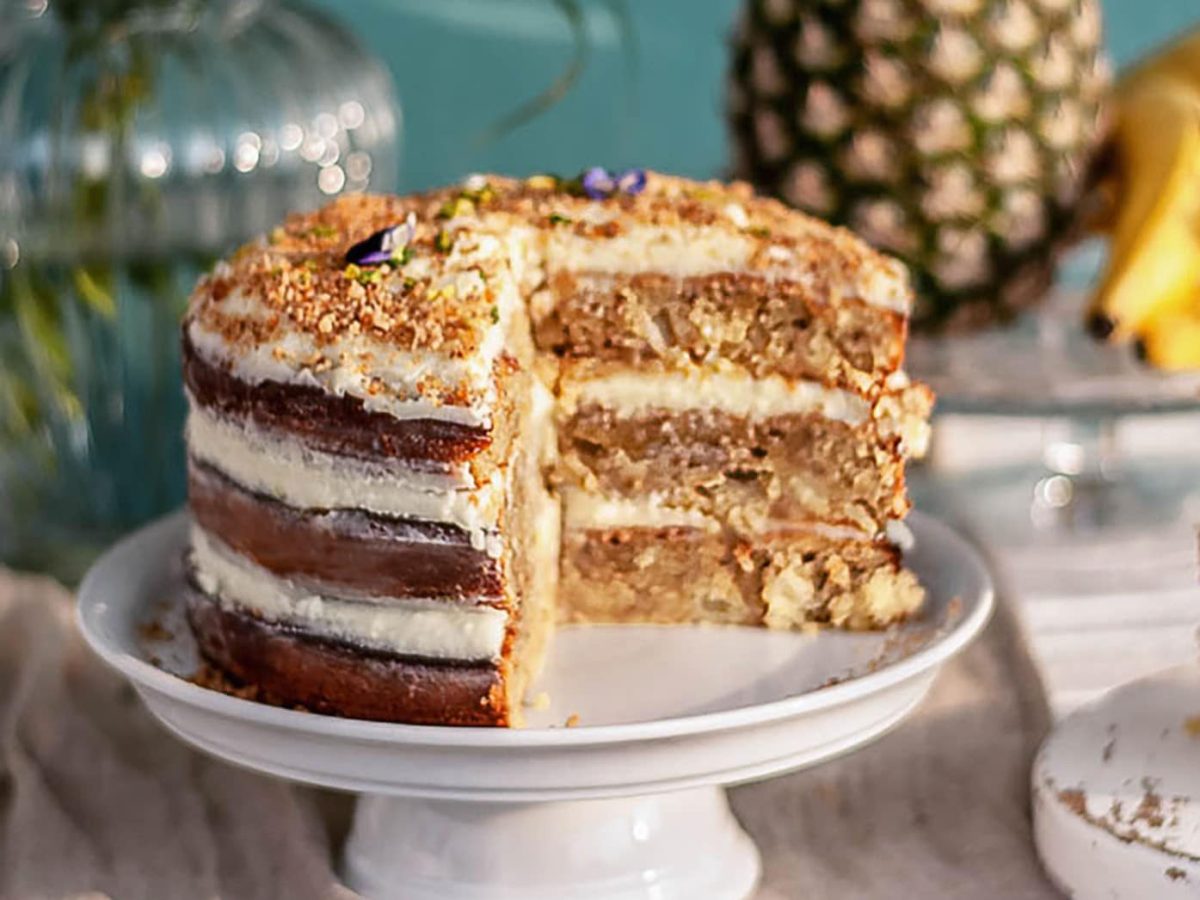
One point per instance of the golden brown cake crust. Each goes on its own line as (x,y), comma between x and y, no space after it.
(340,425)
(740,470)
(346,550)
(785,579)
(300,273)
(767,326)
(325,676)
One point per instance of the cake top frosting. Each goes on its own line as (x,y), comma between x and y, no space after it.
(413,330)
(408,302)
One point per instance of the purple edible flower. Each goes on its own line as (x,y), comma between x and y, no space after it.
(597,182)
(600,184)
(384,245)
(631,181)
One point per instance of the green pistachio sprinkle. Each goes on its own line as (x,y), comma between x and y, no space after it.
(459,206)
(369,275)
(495,315)
(443,241)
(484,194)
(760,231)
(322,231)
(404,255)
(559,219)
(572,186)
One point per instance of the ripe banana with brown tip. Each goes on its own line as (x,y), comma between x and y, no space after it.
(1172,341)
(1150,291)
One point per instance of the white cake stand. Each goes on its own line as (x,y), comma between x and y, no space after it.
(626,805)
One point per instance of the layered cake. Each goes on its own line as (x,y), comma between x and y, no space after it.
(424,429)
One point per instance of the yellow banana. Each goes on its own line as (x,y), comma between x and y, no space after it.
(1154,261)
(1172,341)
(1180,60)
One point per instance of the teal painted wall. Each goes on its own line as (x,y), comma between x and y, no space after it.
(460,65)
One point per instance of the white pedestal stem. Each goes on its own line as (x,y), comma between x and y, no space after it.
(685,844)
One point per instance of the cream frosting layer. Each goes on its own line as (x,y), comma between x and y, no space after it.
(412,627)
(733,391)
(385,377)
(287,470)
(680,251)
(583,510)
(692,251)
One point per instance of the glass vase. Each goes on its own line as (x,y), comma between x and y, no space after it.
(139,141)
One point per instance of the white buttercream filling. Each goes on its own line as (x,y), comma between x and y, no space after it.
(679,251)
(289,471)
(383,376)
(695,251)
(734,392)
(349,366)
(413,627)
(583,509)
(901,535)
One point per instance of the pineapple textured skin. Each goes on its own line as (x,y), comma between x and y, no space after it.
(955,134)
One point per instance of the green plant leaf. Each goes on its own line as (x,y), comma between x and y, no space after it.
(95,288)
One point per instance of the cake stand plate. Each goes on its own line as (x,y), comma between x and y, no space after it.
(627,804)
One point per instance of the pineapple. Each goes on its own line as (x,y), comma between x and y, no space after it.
(952,133)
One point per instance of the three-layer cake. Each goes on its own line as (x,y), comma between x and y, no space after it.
(393,399)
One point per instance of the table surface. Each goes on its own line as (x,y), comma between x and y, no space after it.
(1110,608)
(108,802)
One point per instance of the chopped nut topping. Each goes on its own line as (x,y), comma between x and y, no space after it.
(438,294)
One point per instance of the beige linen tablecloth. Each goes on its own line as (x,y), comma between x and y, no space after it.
(97,800)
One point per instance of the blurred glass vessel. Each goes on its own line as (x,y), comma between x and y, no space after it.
(139,141)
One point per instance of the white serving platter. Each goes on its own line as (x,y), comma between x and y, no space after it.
(628,804)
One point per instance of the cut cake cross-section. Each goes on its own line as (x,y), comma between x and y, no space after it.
(423,428)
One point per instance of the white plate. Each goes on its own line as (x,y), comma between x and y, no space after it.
(660,709)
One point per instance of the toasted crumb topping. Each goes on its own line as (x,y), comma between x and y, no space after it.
(439,292)
(436,297)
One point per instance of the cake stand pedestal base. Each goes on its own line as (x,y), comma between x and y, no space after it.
(626,805)
(675,845)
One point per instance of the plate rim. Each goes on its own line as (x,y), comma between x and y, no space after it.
(146,676)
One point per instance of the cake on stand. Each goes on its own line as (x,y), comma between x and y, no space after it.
(628,804)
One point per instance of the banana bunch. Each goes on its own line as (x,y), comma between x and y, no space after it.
(1150,291)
